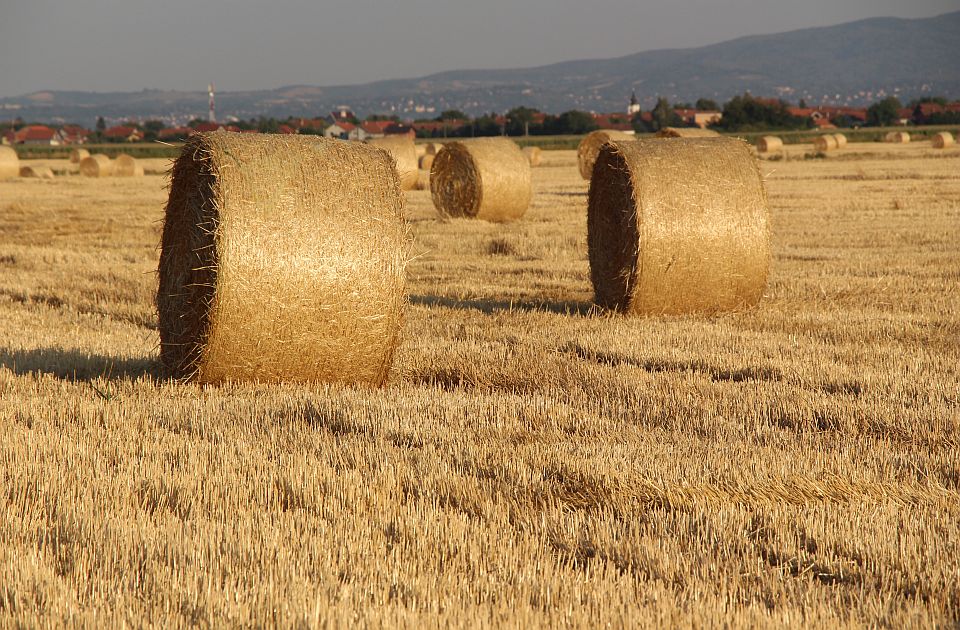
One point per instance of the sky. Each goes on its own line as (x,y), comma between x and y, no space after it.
(129,45)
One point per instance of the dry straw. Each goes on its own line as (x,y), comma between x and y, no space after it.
(687,132)
(96,165)
(824,143)
(423,180)
(282,259)
(78,154)
(404,153)
(769,144)
(126,166)
(841,140)
(942,140)
(421,150)
(41,172)
(590,147)
(432,148)
(898,137)
(534,155)
(483,178)
(678,226)
(9,163)
(426,161)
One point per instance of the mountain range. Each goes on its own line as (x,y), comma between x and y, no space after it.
(853,63)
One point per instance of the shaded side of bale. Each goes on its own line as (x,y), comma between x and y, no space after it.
(41,172)
(78,154)
(96,165)
(9,163)
(423,180)
(590,146)
(126,166)
(824,143)
(942,140)
(678,226)
(482,178)
(687,132)
(404,153)
(768,144)
(841,140)
(426,161)
(432,148)
(901,137)
(282,259)
(534,155)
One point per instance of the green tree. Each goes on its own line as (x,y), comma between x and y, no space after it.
(884,113)
(745,113)
(151,129)
(519,119)
(707,105)
(452,114)
(802,104)
(570,122)
(663,115)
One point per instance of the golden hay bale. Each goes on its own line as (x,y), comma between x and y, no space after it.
(841,140)
(482,178)
(78,154)
(9,163)
(432,148)
(687,132)
(677,226)
(942,140)
(889,136)
(421,150)
(426,161)
(126,166)
(42,172)
(96,165)
(590,146)
(768,144)
(534,155)
(824,143)
(423,180)
(282,259)
(404,153)
(898,137)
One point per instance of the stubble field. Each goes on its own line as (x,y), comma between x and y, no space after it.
(533,461)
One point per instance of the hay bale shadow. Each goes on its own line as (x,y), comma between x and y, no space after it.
(560,307)
(76,365)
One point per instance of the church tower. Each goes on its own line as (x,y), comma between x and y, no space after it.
(634,106)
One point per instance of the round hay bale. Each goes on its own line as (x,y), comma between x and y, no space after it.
(841,140)
(824,143)
(126,166)
(889,136)
(404,153)
(96,165)
(432,148)
(482,178)
(421,150)
(901,137)
(423,180)
(687,132)
(942,140)
(677,226)
(282,259)
(9,163)
(78,154)
(41,172)
(769,144)
(590,146)
(426,161)
(534,155)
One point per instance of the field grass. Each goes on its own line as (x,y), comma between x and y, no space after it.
(533,462)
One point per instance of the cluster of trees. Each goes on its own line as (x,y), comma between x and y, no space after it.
(519,121)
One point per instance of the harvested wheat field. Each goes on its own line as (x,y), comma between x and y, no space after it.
(531,461)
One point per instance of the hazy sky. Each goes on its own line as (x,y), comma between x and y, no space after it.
(107,45)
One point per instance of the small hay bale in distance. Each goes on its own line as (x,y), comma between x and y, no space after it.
(96,165)
(942,140)
(687,132)
(432,148)
(421,150)
(481,178)
(534,155)
(9,163)
(898,137)
(37,171)
(824,143)
(282,259)
(841,140)
(78,154)
(404,153)
(126,166)
(590,146)
(423,180)
(677,227)
(426,161)
(769,144)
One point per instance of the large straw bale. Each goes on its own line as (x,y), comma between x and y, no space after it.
(590,146)
(426,161)
(677,226)
(96,165)
(898,137)
(482,178)
(534,155)
(769,144)
(78,154)
(282,259)
(404,153)
(126,166)
(687,132)
(9,163)
(841,140)
(824,143)
(35,170)
(942,140)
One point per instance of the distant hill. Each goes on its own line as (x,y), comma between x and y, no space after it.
(848,63)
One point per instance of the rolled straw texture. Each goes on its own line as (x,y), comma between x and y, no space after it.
(96,165)
(42,172)
(9,163)
(824,143)
(590,146)
(426,161)
(687,132)
(404,153)
(423,180)
(901,137)
(841,140)
(534,155)
(942,140)
(432,148)
(768,144)
(78,154)
(282,259)
(677,226)
(126,166)
(482,178)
